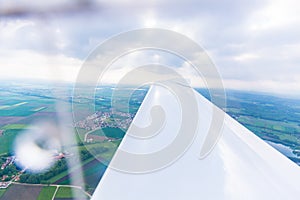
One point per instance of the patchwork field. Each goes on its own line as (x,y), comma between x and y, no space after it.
(271,118)
(17,111)
(36,192)
(22,192)
(92,174)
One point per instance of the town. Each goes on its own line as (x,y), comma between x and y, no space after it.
(110,119)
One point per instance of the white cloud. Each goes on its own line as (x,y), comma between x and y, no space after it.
(255,45)
(276,14)
(246,57)
(29,64)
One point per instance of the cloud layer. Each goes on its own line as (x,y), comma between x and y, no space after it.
(254,44)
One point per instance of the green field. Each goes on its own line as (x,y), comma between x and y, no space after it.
(64,192)
(20,109)
(2,191)
(39,109)
(109,132)
(110,146)
(14,126)
(66,172)
(80,134)
(12,106)
(68,192)
(286,133)
(7,139)
(47,193)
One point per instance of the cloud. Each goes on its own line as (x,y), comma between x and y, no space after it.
(26,64)
(254,44)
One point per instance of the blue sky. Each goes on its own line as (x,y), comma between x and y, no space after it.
(254,44)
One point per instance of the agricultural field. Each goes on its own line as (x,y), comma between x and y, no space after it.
(47,193)
(274,119)
(109,132)
(271,118)
(92,174)
(68,193)
(7,137)
(16,113)
(92,168)
(36,192)
(64,192)
(80,134)
(2,191)
(22,192)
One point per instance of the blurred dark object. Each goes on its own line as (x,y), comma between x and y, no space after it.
(46,8)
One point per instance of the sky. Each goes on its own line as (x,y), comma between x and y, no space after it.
(255,44)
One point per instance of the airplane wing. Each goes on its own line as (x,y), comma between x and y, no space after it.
(241,166)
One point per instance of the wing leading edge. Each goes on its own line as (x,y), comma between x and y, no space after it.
(241,166)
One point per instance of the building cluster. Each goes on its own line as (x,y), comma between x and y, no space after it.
(10,160)
(4,185)
(106,119)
